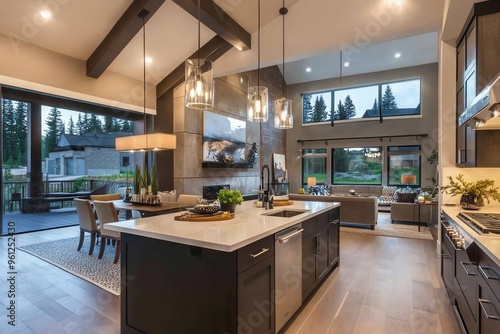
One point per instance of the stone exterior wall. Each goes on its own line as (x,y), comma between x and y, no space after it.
(231,101)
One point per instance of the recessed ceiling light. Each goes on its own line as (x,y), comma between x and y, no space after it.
(308,69)
(346,64)
(149,60)
(397,55)
(45,14)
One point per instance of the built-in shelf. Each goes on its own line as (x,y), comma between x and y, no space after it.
(224,165)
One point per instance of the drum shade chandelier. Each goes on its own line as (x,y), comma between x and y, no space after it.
(283,117)
(199,76)
(151,141)
(257,97)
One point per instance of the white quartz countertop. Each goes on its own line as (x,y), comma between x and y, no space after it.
(489,243)
(249,225)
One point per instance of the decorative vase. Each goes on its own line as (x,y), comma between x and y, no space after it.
(471,201)
(229,207)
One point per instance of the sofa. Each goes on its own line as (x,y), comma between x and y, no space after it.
(353,209)
(383,194)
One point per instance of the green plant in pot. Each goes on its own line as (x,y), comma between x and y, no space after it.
(228,199)
(473,193)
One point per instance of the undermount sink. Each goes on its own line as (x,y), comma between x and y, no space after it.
(285,213)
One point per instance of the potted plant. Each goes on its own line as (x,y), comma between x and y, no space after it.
(228,199)
(473,193)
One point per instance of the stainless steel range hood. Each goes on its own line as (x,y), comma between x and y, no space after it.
(484,111)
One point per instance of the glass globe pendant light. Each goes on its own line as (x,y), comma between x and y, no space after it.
(283,117)
(199,76)
(257,97)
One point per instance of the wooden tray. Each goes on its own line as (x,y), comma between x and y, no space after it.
(193,217)
(282,203)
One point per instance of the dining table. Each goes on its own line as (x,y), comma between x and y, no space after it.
(148,210)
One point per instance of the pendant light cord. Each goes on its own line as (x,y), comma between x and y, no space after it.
(144,66)
(258,47)
(284,11)
(199,31)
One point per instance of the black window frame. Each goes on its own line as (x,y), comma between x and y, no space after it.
(332,171)
(379,98)
(404,152)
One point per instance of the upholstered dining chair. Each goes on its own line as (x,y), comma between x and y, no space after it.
(106,212)
(87,222)
(190,200)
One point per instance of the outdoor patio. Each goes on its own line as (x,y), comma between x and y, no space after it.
(28,222)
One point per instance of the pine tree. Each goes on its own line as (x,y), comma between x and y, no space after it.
(319,111)
(349,107)
(388,100)
(71,126)
(307,108)
(80,129)
(127,126)
(55,127)
(9,136)
(117,126)
(340,113)
(375,104)
(94,124)
(21,131)
(108,124)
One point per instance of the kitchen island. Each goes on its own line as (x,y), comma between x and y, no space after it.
(218,276)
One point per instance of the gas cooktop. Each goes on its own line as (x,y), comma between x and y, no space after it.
(483,223)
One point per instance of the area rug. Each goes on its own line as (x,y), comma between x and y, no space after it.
(398,229)
(63,254)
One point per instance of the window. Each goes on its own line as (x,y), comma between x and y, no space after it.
(404,166)
(398,98)
(401,98)
(362,165)
(314,165)
(316,107)
(355,102)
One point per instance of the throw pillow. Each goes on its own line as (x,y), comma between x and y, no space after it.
(388,191)
(405,197)
(168,196)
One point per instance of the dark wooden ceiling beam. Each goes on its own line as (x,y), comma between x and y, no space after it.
(120,35)
(214,49)
(218,21)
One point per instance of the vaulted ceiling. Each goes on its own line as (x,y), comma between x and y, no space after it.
(108,34)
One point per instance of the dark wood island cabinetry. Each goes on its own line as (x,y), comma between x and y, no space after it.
(174,287)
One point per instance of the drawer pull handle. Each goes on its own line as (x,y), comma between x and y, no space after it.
(464,264)
(489,316)
(483,271)
(259,253)
(336,221)
(445,256)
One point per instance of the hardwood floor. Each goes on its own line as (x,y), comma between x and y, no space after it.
(383,285)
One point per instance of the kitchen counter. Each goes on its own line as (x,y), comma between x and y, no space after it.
(489,243)
(249,225)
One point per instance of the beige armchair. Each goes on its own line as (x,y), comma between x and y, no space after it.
(406,212)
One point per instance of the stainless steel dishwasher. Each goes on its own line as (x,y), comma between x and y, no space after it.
(288,273)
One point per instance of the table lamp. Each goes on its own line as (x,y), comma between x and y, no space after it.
(311,182)
(408,179)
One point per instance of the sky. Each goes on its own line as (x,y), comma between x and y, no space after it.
(65,116)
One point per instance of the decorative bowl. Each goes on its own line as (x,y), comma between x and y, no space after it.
(206,208)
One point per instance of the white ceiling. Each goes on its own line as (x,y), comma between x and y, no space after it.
(315,32)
